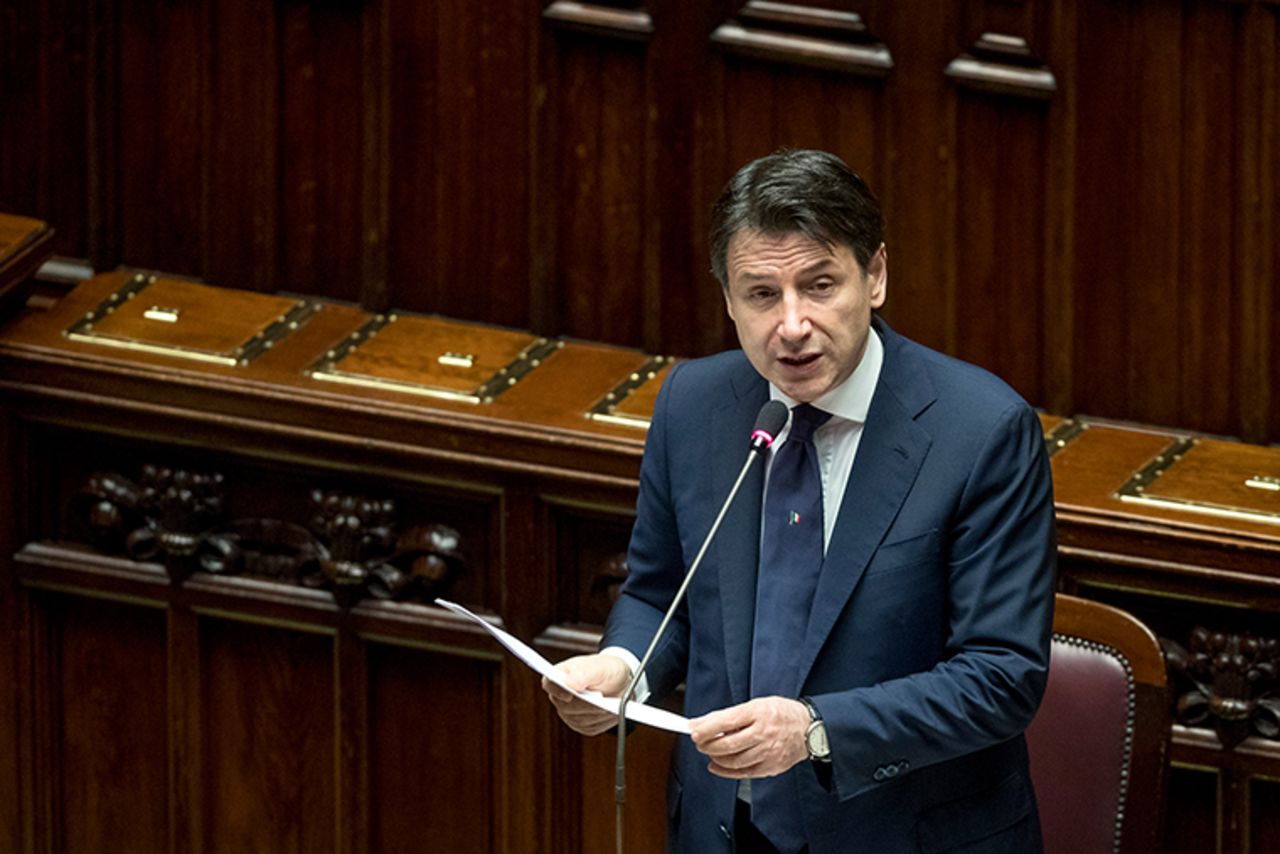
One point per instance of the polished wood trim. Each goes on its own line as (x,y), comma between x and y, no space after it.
(1003,63)
(872,61)
(1081,618)
(798,16)
(569,640)
(72,569)
(504,450)
(1196,744)
(600,20)
(1001,78)
(804,35)
(25,244)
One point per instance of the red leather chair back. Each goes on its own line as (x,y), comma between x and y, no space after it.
(1099,744)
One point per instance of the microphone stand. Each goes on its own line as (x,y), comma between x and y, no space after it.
(620,771)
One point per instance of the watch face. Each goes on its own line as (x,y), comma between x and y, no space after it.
(816,741)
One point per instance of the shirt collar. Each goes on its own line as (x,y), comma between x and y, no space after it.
(852,398)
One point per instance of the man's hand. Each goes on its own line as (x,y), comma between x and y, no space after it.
(760,738)
(607,674)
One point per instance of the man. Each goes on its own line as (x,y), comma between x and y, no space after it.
(868,636)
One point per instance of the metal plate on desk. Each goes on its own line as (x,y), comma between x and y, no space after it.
(1060,432)
(631,401)
(434,357)
(1209,476)
(187,320)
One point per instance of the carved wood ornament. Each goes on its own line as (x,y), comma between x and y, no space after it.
(350,547)
(1227,682)
(170,516)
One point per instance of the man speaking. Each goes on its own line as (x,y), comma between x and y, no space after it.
(868,636)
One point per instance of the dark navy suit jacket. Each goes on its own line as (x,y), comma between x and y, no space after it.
(928,646)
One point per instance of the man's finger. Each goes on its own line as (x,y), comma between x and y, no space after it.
(728,743)
(603,673)
(741,758)
(555,692)
(720,723)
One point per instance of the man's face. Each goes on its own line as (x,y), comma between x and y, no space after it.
(802,310)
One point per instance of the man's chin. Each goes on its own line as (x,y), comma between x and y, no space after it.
(803,392)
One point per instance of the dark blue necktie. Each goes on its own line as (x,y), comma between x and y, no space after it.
(790,560)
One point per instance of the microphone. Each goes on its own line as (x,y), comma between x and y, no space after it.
(769,423)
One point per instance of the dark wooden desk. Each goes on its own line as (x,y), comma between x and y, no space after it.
(215,576)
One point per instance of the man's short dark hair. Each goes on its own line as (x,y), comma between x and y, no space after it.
(811,192)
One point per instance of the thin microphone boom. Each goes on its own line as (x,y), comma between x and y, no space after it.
(769,422)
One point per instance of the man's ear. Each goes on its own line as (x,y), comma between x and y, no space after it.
(728,303)
(878,277)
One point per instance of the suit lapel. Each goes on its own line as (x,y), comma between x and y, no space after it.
(890,453)
(737,544)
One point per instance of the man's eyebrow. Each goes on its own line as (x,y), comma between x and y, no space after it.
(819,265)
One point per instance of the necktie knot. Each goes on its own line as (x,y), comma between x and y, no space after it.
(804,420)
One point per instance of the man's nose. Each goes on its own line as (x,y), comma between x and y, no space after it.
(794,323)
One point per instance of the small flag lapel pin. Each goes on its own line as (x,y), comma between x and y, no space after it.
(794,518)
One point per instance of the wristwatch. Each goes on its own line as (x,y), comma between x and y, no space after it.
(815,737)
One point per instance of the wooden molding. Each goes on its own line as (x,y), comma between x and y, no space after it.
(1203,744)
(74,569)
(571,640)
(804,35)
(1004,65)
(600,20)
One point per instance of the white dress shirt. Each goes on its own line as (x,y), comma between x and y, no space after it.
(837,441)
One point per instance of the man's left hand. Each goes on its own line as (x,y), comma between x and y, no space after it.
(759,738)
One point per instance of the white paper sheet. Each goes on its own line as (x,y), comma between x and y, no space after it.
(638,712)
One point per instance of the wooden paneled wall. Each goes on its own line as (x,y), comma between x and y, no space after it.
(1081,196)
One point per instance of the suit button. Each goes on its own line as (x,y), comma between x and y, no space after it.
(880,775)
(891,771)
(904,765)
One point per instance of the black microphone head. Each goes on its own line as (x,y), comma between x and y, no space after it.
(769,423)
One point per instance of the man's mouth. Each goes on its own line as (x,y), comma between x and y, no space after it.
(798,361)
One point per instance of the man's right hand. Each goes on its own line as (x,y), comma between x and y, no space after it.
(607,674)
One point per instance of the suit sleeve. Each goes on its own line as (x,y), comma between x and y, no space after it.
(1000,563)
(655,562)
